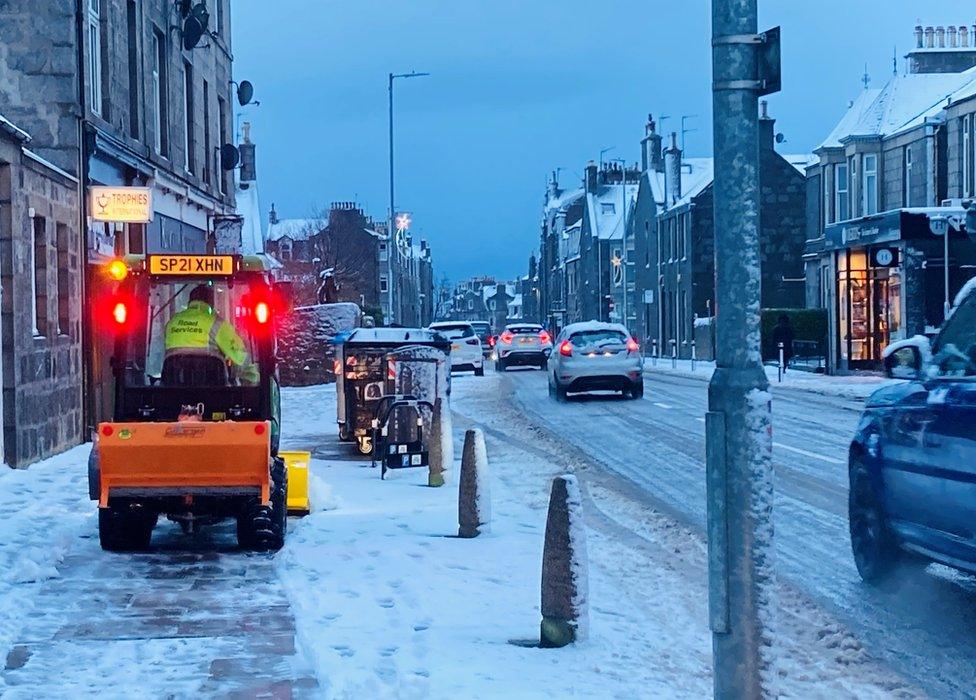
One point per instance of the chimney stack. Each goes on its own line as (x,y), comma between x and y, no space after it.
(767,134)
(590,181)
(651,147)
(272,215)
(672,172)
(248,171)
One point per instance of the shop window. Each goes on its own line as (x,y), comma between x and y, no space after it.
(39,275)
(870,184)
(64,280)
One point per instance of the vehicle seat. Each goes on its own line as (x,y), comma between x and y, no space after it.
(192,370)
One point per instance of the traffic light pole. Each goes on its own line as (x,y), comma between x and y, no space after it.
(739,432)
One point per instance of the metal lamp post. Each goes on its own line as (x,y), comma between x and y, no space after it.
(389,230)
(623,213)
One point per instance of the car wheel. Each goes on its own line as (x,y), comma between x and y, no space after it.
(637,391)
(552,389)
(560,393)
(479,371)
(876,554)
(500,365)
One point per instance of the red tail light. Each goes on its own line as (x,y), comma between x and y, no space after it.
(120,313)
(491,341)
(262,312)
(566,349)
(544,336)
(507,337)
(632,345)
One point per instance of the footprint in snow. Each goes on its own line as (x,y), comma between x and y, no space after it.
(343,651)
(421,626)
(386,602)
(349,593)
(388,651)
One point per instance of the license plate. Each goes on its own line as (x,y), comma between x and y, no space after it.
(526,341)
(191,265)
(455,346)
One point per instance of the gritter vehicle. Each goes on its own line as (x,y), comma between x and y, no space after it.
(195,433)
(912,462)
(595,356)
(522,344)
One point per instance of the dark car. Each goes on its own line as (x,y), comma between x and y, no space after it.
(913,460)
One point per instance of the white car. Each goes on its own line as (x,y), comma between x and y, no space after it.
(595,356)
(522,344)
(466,350)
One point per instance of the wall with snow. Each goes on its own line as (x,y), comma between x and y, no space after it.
(305,349)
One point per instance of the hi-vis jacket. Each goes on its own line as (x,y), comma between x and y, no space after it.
(198,329)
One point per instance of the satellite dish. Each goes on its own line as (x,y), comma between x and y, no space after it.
(183,7)
(201,12)
(192,32)
(229,156)
(245,91)
(780,138)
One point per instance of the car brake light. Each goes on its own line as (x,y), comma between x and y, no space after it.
(566,348)
(491,341)
(544,336)
(120,313)
(632,345)
(507,337)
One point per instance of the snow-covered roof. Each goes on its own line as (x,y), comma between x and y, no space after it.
(14,130)
(605,212)
(801,161)
(295,229)
(692,171)
(516,300)
(905,102)
(562,199)
(696,180)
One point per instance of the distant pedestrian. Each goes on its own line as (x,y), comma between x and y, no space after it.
(783,333)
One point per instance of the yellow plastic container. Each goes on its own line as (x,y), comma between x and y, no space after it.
(297,463)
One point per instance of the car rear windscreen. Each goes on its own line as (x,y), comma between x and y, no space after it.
(462,330)
(525,329)
(598,338)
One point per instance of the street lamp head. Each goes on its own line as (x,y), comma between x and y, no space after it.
(411,74)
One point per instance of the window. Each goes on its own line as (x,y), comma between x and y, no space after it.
(607,208)
(841,193)
(94,57)
(39,275)
(64,281)
(384,253)
(647,244)
(870,180)
(906,183)
(660,242)
(218,16)
(470,302)
(132,28)
(188,116)
(967,156)
(159,84)
(206,133)
(285,249)
(222,127)
(828,196)
(673,230)
(385,287)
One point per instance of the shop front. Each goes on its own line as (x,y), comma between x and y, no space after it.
(882,280)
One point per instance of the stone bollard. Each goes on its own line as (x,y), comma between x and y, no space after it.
(441,453)
(564,567)
(474,494)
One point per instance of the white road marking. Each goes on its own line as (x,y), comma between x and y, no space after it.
(806,453)
(662,405)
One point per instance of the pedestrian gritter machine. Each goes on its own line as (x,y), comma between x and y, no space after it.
(194,437)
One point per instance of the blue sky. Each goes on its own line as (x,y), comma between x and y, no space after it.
(518,88)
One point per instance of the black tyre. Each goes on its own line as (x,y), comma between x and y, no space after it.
(344,433)
(876,554)
(500,365)
(262,528)
(636,391)
(125,529)
(560,393)
(479,371)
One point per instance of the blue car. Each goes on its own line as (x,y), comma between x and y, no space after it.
(912,462)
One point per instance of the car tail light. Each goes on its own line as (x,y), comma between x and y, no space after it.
(491,341)
(566,349)
(472,341)
(507,337)
(632,345)
(544,336)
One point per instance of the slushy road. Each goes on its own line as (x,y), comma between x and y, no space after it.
(923,626)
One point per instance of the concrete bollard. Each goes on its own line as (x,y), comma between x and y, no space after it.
(564,567)
(441,451)
(474,494)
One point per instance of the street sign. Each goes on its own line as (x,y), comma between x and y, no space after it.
(884,257)
(121,204)
(939,225)
(768,59)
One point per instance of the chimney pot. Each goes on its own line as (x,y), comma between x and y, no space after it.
(763,109)
(964,36)
(951,33)
(940,37)
(918,36)
(929,37)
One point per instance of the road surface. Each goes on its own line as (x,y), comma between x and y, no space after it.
(923,627)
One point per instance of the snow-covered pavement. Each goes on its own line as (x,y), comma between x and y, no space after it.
(373,596)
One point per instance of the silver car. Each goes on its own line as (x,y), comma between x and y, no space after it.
(596,356)
(522,344)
